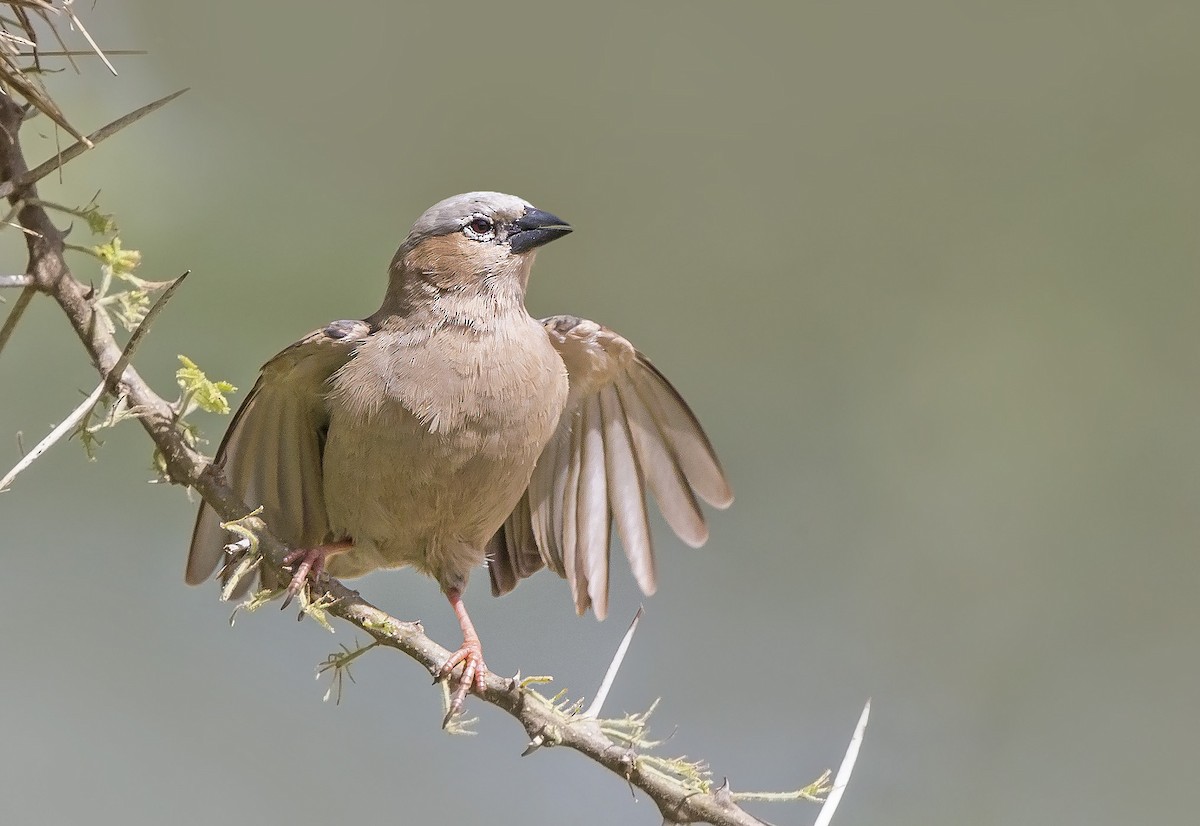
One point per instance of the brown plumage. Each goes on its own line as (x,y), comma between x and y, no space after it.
(450,427)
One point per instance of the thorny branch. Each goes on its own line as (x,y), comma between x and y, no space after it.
(85,407)
(681,796)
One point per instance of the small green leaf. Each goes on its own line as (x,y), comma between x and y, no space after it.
(122,261)
(208,395)
(132,306)
(100,223)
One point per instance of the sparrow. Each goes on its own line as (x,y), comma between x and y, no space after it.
(452,429)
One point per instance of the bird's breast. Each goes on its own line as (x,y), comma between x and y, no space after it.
(505,386)
(432,441)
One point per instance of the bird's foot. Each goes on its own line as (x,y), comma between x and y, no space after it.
(474,672)
(311,566)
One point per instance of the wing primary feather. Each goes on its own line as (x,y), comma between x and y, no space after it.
(562,480)
(526,558)
(545,496)
(253,456)
(208,537)
(316,525)
(682,431)
(626,496)
(208,541)
(499,568)
(666,481)
(572,566)
(241,471)
(593,519)
(288,488)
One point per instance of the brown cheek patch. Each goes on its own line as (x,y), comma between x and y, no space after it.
(451,258)
(445,253)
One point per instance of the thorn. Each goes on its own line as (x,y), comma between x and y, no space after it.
(628,760)
(610,676)
(844,771)
(536,743)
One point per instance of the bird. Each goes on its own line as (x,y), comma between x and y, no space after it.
(451,429)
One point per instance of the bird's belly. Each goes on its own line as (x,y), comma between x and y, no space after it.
(430,488)
(407,496)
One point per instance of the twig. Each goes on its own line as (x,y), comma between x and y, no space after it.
(86,36)
(45,8)
(79,53)
(64,427)
(79,147)
(135,340)
(34,94)
(15,281)
(67,425)
(14,315)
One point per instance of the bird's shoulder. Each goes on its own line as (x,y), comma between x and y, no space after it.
(333,343)
(593,354)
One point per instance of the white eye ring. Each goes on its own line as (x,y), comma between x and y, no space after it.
(480,228)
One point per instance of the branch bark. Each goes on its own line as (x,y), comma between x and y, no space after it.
(48,273)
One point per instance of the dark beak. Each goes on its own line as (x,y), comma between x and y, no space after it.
(535,228)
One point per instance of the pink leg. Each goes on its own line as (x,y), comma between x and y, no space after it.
(470,656)
(312,564)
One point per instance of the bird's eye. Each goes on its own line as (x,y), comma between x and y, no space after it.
(481,225)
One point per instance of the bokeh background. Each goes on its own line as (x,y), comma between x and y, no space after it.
(927,272)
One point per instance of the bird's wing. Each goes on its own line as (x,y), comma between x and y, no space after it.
(271,454)
(625,430)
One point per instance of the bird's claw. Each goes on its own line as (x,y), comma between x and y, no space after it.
(474,672)
(312,563)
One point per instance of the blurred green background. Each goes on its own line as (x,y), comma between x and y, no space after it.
(927,272)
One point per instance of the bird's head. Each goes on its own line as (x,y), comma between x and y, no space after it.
(477,238)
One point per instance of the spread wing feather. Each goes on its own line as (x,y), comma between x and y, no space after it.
(625,431)
(271,453)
